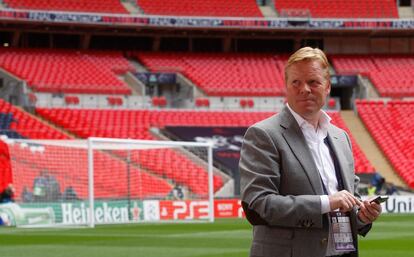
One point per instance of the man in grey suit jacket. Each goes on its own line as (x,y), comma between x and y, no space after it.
(297,173)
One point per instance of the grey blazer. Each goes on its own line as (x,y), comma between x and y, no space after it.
(281,188)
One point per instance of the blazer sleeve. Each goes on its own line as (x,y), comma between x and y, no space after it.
(260,172)
(362,228)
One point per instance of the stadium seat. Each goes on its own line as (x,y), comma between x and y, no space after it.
(114,101)
(243,103)
(202,102)
(331,103)
(72,100)
(159,101)
(250,103)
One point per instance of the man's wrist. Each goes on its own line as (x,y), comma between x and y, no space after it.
(325,205)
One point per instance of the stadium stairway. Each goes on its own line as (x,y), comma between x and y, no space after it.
(137,65)
(372,91)
(136,86)
(184,80)
(132,7)
(181,78)
(370,148)
(406,12)
(269,10)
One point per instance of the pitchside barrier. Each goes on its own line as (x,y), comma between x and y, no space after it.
(109,181)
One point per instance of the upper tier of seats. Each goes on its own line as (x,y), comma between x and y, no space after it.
(342,8)
(391,75)
(68,71)
(101,6)
(391,125)
(213,8)
(96,72)
(224,74)
(136,124)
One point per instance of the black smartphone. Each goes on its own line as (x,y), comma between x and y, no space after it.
(379,199)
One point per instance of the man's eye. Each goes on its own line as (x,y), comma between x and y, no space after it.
(314,83)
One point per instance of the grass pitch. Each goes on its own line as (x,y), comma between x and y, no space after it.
(392,236)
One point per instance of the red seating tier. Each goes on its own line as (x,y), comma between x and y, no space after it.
(70,167)
(391,75)
(30,163)
(391,126)
(101,6)
(28,126)
(342,8)
(136,124)
(67,71)
(214,8)
(224,74)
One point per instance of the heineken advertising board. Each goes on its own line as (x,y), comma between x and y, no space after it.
(107,212)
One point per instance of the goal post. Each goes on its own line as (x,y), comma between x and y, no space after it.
(110,181)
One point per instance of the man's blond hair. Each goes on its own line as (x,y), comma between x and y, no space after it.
(308,53)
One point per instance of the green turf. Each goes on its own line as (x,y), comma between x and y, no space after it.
(392,236)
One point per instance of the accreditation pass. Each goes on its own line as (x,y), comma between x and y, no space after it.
(341,231)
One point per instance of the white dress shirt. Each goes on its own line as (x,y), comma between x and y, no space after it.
(323,160)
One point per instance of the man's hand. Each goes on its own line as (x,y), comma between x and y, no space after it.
(343,200)
(369,212)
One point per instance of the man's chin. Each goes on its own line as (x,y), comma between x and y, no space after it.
(309,112)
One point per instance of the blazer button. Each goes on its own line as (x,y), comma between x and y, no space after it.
(324,240)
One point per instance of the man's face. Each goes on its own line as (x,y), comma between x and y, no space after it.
(307,88)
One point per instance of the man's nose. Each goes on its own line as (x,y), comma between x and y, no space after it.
(305,88)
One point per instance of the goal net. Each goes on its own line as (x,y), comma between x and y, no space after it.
(110,181)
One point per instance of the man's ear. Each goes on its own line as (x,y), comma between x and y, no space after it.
(328,88)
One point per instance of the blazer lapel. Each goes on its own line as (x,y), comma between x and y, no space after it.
(297,143)
(338,148)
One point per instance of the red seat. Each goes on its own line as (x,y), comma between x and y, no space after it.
(250,103)
(332,103)
(71,100)
(243,103)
